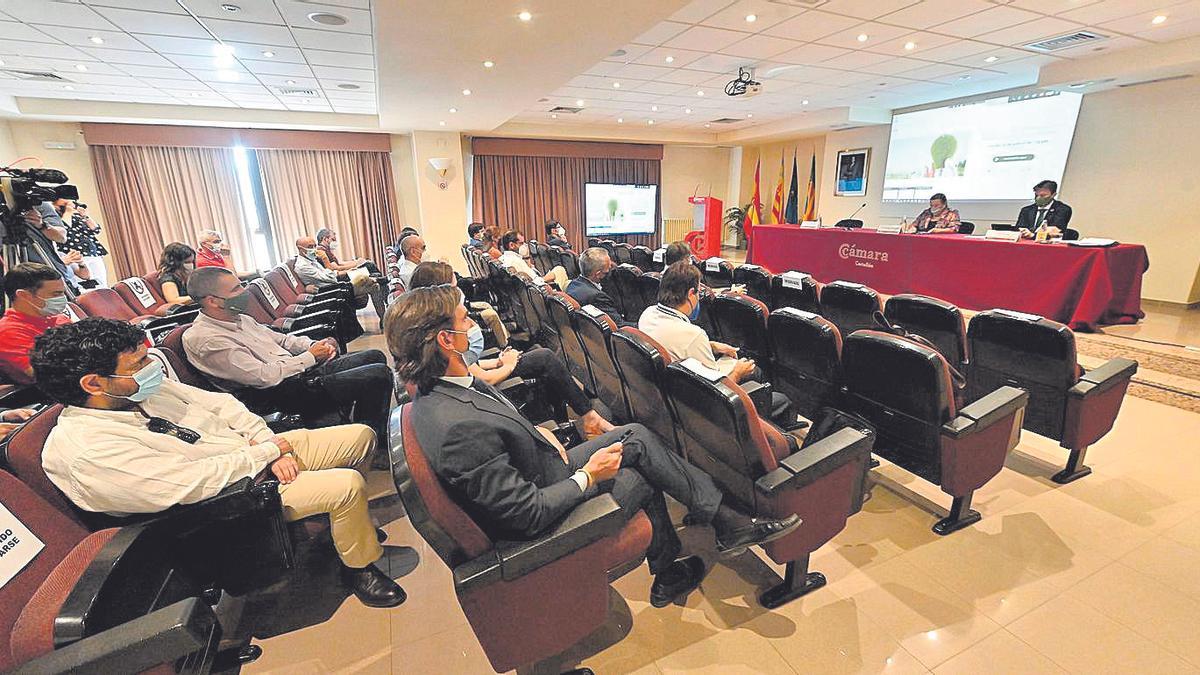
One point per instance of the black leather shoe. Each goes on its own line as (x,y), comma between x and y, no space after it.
(373,587)
(756,533)
(675,582)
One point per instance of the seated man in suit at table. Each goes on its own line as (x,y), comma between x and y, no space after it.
(1045,209)
(938,218)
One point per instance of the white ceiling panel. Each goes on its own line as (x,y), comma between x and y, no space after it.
(258,33)
(811,26)
(82,36)
(921,41)
(297,14)
(720,63)
(246,51)
(16,31)
(123,57)
(152,73)
(856,60)
(810,53)
(665,88)
(332,85)
(1111,10)
(344,74)
(1171,31)
(55,13)
(137,21)
(273,68)
(760,47)
(660,33)
(765,13)
(866,9)
(703,38)
(685,76)
(932,12)
(985,22)
(657,56)
(161,6)
(1051,6)
(317,39)
(256,11)
(178,45)
(1030,32)
(319,57)
(955,51)
(205,63)
(875,32)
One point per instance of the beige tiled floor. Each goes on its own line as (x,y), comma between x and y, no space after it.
(1098,576)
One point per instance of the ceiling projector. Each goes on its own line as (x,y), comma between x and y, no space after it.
(743,84)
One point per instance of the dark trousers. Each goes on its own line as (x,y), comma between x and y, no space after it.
(364,380)
(649,469)
(554,378)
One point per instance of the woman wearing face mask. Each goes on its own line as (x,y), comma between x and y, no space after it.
(177,262)
(938,218)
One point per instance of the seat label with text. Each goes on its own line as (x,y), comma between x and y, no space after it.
(18,546)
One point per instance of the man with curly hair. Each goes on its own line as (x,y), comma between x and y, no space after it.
(130,441)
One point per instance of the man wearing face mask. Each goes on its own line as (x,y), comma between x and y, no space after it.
(38,301)
(594,266)
(1045,210)
(670,323)
(556,235)
(514,255)
(129,441)
(283,371)
(938,218)
(212,251)
(412,248)
(327,243)
(312,272)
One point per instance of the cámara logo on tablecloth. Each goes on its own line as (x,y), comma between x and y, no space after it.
(862,257)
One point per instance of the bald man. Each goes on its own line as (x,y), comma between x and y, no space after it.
(312,270)
(413,249)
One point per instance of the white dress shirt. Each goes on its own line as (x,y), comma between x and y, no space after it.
(312,272)
(405,271)
(109,461)
(245,353)
(514,260)
(682,338)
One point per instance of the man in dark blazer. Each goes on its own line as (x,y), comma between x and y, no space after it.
(556,235)
(594,265)
(1044,209)
(516,481)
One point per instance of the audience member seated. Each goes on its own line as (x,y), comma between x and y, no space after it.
(212,251)
(291,372)
(312,272)
(412,249)
(327,245)
(38,301)
(1044,210)
(556,235)
(540,363)
(491,241)
(404,234)
(670,324)
(594,265)
(437,272)
(11,420)
(130,441)
(474,234)
(515,252)
(516,482)
(676,251)
(938,218)
(176,263)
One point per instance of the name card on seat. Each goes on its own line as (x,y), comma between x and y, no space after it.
(138,286)
(713,264)
(702,370)
(292,277)
(267,292)
(798,313)
(810,225)
(888,229)
(1003,235)
(592,310)
(1014,314)
(849,284)
(659,254)
(749,266)
(18,546)
(794,279)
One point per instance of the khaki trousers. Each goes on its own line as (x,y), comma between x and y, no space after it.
(560,277)
(328,483)
(492,319)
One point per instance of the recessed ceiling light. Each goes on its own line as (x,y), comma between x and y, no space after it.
(620,120)
(707,125)
(751,18)
(1158,19)
(579,102)
(749,115)
(654,108)
(269,54)
(68,87)
(1,62)
(649,121)
(328,19)
(96,39)
(442,123)
(670,59)
(453,110)
(909,46)
(349,86)
(862,37)
(466,92)
(616,85)
(290,82)
(232,9)
(991,59)
(700,93)
(488,64)
(80,67)
(687,111)
(553,116)
(525,16)
(804,102)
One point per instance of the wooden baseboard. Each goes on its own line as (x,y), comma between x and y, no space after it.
(1171,304)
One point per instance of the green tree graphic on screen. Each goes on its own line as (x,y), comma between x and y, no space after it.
(943,149)
(612,208)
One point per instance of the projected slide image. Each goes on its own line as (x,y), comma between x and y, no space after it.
(991,150)
(620,209)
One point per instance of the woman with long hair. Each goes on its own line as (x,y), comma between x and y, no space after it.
(174,266)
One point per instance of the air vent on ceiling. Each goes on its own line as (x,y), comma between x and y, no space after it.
(565,109)
(297,91)
(1066,41)
(726,120)
(800,3)
(35,75)
(1155,81)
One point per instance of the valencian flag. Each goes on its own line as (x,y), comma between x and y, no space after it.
(752,215)
(793,208)
(810,200)
(777,202)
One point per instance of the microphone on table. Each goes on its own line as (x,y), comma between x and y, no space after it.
(851,222)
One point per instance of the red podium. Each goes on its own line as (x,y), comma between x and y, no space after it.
(705,237)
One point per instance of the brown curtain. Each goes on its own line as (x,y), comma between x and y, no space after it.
(522,193)
(350,192)
(153,196)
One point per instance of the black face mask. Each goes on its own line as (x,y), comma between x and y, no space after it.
(237,304)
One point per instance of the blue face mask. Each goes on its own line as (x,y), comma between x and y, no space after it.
(475,350)
(695,310)
(148,379)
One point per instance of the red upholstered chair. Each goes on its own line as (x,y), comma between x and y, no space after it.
(850,306)
(525,601)
(935,320)
(595,329)
(741,321)
(108,303)
(141,296)
(757,281)
(1073,407)
(642,363)
(717,273)
(560,306)
(107,601)
(806,353)
(268,309)
(904,389)
(795,289)
(759,469)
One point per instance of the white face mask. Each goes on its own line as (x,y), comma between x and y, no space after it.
(333,245)
(523,251)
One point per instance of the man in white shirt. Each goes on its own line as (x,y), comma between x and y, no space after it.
(312,271)
(130,442)
(412,248)
(513,254)
(670,324)
(290,373)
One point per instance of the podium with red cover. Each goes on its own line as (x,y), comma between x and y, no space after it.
(705,237)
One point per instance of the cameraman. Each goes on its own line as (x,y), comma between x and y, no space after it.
(37,238)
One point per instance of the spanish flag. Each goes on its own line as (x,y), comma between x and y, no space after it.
(777,203)
(810,200)
(752,214)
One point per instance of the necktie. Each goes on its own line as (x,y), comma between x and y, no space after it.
(1041,216)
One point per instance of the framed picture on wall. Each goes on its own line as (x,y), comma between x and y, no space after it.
(852,172)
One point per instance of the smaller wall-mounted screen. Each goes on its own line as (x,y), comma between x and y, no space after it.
(613,209)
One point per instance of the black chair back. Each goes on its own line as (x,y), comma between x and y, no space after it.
(560,306)
(756,280)
(966,227)
(595,330)
(622,285)
(622,253)
(742,322)
(642,362)
(935,320)
(797,290)
(643,258)
(850,306)
(717,273)
(806,354)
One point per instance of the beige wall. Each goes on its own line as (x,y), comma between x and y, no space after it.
(831,208)
(683,168)
(441,214)
(8,148)
(770,154)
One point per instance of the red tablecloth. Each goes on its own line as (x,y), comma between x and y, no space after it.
(1081,287)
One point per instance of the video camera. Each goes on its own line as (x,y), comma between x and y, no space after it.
(23,189)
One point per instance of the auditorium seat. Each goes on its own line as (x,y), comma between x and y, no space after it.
(904,389)
(756,280)
(560,305)
(107,303)
(717,273)
(622,253)
(935,320)
(99,602)
(610,246)
(643,258)
(647,286)
(266,308)
(547,334)
(642,363)
(141,296)
(525,601)
(850,306)
(1066,404)
(795,289)
(966,227)
(535,258)
(806,354)
(622,285)
(763,471)
(741,321)
(595,329)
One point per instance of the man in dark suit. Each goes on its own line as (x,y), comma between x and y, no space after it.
(594,265)
(1045,209)
(556,235)
(516,481)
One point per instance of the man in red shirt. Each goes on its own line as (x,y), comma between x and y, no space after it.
(211,251)
(38,299)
